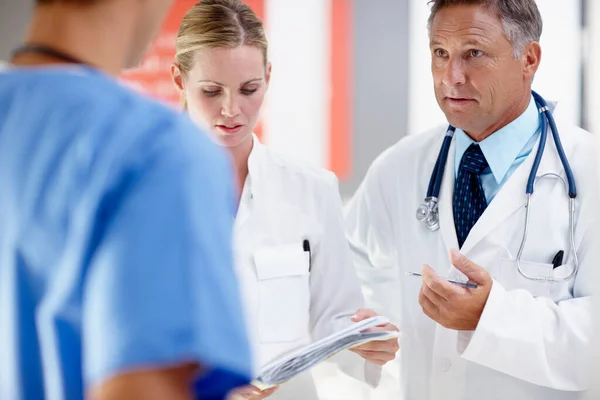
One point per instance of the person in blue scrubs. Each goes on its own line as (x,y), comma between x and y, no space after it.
(116,276)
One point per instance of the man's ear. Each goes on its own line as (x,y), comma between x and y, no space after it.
(531,58)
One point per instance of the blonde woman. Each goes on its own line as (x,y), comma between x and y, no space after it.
(294,264)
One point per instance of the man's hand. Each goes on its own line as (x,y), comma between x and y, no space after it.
(453,306)
(378,352)
(250,392)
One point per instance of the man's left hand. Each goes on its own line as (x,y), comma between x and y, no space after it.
(453,306)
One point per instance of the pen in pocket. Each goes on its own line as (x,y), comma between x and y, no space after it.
(306,247)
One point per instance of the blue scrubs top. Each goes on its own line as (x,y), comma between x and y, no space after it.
(115,239)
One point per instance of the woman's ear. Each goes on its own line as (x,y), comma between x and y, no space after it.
(177,79)
(268,73)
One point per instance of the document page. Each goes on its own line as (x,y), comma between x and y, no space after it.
(297,361)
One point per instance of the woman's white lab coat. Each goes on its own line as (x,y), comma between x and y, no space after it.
(532,339)
(293,296)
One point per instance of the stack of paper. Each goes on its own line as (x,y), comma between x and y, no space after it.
(298,361)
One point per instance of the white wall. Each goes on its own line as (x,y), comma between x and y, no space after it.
(593,105)
(424,111)
(14,17)
(560,74)
(593,66)
(297,110)
(558,77)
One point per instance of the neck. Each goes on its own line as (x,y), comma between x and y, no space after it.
(512,114)
(96,34)
(241,154)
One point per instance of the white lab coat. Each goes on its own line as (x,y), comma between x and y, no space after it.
(532,338)
(284,203)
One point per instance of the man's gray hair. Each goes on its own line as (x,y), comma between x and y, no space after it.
(521,19)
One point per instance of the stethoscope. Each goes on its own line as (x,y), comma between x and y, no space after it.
(428,212)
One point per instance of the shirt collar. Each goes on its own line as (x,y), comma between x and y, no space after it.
(255,160)
(503,147)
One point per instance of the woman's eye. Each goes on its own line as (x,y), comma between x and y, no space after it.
(210,93)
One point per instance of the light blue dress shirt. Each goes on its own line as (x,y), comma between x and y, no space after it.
(504,150)
(115,239)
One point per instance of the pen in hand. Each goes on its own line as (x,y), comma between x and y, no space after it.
(470,285)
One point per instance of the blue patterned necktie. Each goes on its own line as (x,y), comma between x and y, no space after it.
(469,200)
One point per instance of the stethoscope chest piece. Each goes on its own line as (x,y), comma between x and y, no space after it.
(428,213)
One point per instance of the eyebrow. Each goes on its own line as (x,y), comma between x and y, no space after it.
(220,84)
(470,42)
(473,42)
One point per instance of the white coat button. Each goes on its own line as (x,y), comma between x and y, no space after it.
(446,364)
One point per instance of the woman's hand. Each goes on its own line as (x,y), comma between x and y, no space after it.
(378,352)
(250,392)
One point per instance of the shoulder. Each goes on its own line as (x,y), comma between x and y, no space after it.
(136,127)
(573,137)
(579,139)
(580,146)
(85,101)
(409,152)
(124,131)
(581,149)
(293,171)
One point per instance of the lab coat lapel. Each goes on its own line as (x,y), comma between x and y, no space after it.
(445,202)
(511,196)
(252,186)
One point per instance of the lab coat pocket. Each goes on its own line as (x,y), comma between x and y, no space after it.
(284,292)
(507,274)
(562,290)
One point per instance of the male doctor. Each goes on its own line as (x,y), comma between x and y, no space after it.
(511,337)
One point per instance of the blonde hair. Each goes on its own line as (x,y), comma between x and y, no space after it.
(217,23)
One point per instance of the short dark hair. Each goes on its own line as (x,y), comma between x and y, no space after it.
(521,19)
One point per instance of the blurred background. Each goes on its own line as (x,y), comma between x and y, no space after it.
(352,77)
